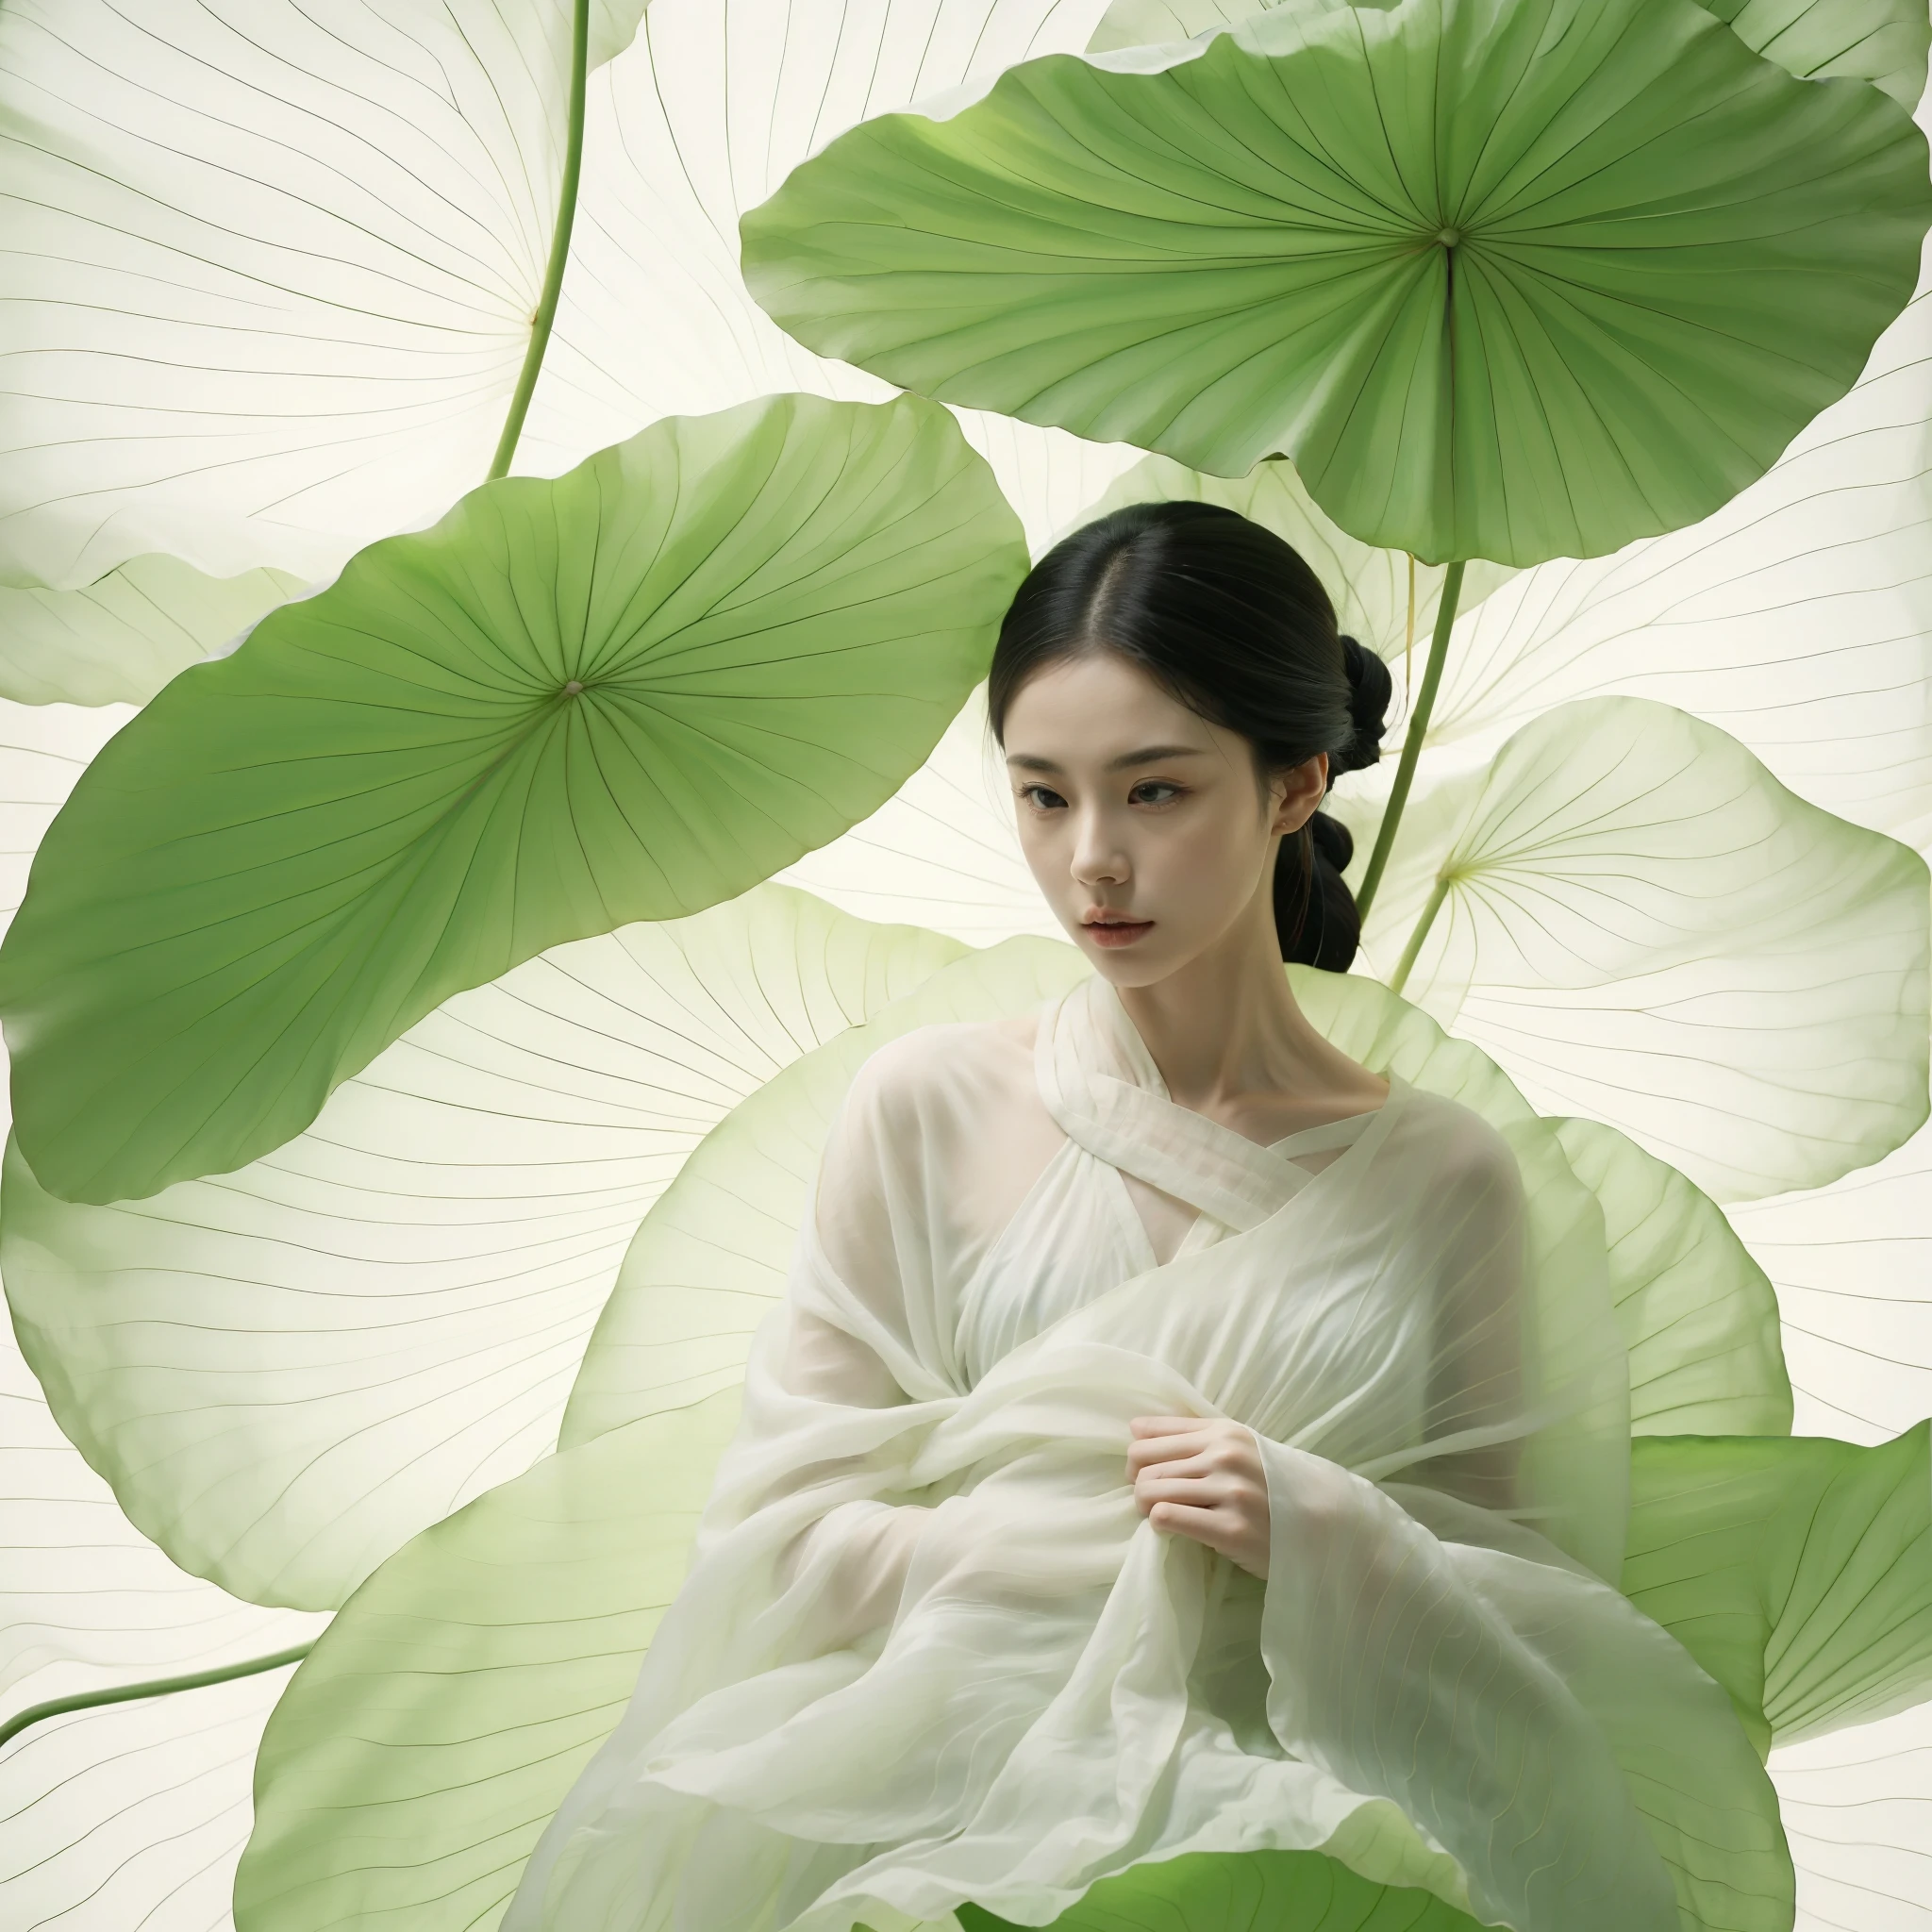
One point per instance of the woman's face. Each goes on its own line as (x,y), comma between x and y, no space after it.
(1146,825)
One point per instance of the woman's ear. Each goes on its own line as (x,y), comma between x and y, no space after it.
(1297,792)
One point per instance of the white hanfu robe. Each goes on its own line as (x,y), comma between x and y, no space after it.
(929,1651)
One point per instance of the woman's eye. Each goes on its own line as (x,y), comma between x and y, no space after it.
(1154,792)
(1040,798)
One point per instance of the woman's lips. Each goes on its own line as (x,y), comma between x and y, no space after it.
(1117,932)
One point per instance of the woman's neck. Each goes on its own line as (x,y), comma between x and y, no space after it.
(1231,1040)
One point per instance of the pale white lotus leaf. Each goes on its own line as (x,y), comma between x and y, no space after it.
(941,851)
(271,269)
(1642,926)
(1857,1810)
(1798,617)
(44,750)
(1851,1264)
(613,25)
(288,1370)
(713,104)
(132,1815)
(1158,23)
(118,641)
(86,1603)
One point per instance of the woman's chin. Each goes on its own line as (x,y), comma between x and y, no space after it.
(1134,958)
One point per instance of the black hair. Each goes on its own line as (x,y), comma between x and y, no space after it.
(1228,618)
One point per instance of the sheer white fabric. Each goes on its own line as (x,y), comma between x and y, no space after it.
(929,1651)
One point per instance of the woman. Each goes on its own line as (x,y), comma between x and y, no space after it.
(1164,1444)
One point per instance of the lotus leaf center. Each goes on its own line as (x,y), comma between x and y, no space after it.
(1448,237)
(573,687)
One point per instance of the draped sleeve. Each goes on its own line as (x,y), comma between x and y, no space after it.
(1425,1645)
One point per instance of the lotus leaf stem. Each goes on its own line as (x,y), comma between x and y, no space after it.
(1413,738)
(151,1686)
(559,245)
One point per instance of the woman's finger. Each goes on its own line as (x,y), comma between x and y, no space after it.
(1205,1490)
(1182,1518)
(1163,1449)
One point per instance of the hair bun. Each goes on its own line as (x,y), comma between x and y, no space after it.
(1314,911)
(1333,841)
(1370,689)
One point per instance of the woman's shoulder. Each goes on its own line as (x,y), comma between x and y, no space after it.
(1466,1145)
(949,1066)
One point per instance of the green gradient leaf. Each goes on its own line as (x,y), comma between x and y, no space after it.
(288,1370)
(423,1745)
(626,694)
(1506,281)
(1642,926)
(1798,1572)
(120,639)
(1698,1316)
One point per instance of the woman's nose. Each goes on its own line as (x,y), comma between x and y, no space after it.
(1099,857)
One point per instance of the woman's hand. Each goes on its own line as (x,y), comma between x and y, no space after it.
(1201,1477)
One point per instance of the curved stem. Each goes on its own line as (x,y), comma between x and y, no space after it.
(1405,965)
(559,245)
(152,1687)
(1413,738)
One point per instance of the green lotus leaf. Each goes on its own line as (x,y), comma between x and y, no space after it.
(623,695)
(1244,1891)
(703,118)
(1382,598)
(447,1711)
(1506,281)
(120,639)
(1698,1315)
(288,1370)
(1726,619)
(1851,1262)
(1798,1572)
(1880,41)
(1642,926)
(271,276)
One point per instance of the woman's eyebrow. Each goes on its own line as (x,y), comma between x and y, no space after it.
(1147,754)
